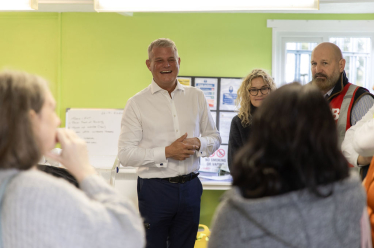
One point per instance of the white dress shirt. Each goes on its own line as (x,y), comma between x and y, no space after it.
(153,120)
(359,138)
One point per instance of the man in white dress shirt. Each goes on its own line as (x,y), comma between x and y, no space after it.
(165,128)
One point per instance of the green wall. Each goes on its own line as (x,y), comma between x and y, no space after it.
(97,60)
(30,42)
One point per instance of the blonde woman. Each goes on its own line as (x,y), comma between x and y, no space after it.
(253,90)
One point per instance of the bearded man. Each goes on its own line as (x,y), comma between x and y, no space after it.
(349,102)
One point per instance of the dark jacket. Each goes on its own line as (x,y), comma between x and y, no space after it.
(238,136)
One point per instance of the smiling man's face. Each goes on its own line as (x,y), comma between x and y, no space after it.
(164,65)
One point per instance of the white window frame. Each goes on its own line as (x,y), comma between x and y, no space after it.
(314,31)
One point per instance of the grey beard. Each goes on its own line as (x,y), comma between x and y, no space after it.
(326,84)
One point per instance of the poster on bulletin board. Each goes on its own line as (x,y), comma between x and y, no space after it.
(186,81)
(220,93)
(228,93)
(215,161)
(209,87)
(225,124)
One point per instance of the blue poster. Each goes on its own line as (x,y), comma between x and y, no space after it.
(229,89)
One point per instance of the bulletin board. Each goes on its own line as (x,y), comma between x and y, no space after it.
(221,93)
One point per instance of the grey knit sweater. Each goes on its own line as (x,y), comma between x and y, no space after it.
(296,219)
(42,211)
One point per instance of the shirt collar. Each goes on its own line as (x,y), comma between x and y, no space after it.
(155,88)
(328,93)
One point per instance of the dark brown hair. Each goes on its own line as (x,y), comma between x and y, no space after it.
(19,93)
(293,145)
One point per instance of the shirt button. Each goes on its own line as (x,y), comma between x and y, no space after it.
(176,130)
(174,115)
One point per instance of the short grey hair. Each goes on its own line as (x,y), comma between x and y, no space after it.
(162,42)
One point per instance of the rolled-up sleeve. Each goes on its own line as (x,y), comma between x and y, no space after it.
(129,151)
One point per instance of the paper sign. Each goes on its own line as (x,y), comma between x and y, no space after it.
(217,159)
(209,87)
(225,119)
(228,94)
(184,81)
(100,128)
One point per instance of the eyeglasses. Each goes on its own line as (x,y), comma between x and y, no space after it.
(264,91)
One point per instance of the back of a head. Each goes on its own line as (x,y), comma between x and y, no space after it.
(19,93)
(293,145)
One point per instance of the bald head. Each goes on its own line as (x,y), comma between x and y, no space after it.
(329,49)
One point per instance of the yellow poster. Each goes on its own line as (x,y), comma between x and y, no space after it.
(184,81)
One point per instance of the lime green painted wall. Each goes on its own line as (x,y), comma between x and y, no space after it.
(97,60)
(29,42)
(103,55)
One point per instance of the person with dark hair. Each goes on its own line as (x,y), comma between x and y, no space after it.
(291,183)
(40,210)
(253,90)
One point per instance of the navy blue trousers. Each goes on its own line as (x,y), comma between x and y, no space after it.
(171,212)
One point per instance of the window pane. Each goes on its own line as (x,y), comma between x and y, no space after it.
(347,45)
(305,46)
(363,45)
(357,53)
(290,67)
(304,68)
(360,78)
(291,46)
(333,40)
(312,46)
(298,56)
(348,66)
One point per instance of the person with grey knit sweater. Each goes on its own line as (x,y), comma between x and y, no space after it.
(37,209)
(291,184)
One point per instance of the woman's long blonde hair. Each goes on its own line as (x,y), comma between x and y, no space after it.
(243,102)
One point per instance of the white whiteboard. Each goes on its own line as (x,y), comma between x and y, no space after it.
(100,128)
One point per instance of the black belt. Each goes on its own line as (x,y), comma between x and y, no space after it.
(181,179)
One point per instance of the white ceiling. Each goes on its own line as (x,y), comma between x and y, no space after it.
(326,6)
